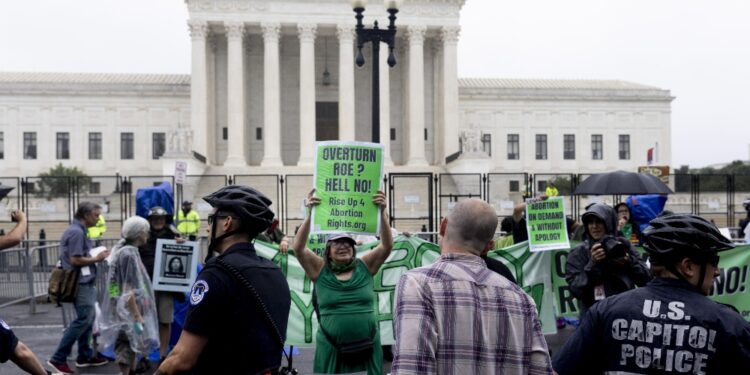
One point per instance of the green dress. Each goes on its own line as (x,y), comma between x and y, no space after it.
(347,313)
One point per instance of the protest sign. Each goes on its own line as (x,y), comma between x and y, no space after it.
(347,175)
(545,222)
(175,265)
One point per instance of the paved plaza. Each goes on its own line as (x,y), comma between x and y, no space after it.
(42,332)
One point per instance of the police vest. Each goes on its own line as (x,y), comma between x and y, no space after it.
(97,231)
(189,224)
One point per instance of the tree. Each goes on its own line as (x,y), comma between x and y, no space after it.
(59,182)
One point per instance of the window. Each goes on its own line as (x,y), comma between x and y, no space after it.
(514,185)
(29,145)
(95,146)
(224,133)
(487,144)
(2,145)
(63,146)
(425,134)
(126,146)
(513,147)
(624,147)
(29,187)
(597,147)
(569,147)
(541,185)
(158,145)
(95,187)
(393,134)
(541,147)
(259,134)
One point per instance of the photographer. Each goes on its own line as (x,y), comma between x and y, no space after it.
(603,264)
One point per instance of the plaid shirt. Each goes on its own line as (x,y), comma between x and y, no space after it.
(458,317)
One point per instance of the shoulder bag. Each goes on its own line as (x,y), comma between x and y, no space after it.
(63,284)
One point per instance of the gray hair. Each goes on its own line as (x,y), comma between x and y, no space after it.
(134,227)
(85,208)
(471,223)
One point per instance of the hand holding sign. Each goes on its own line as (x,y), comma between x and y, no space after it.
(379,200)
(347,174)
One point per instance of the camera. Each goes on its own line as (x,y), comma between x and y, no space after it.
(614,247)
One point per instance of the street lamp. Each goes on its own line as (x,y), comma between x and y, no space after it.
(376,35)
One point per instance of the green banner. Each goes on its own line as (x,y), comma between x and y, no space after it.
(540,274)
(545,221)
(347,175)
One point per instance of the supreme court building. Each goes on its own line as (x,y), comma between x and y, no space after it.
(269,78)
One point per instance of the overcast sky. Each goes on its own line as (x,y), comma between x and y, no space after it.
(698,49)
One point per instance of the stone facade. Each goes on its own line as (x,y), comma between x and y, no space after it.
(256,99)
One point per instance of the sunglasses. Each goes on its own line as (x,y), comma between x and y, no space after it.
(213,217)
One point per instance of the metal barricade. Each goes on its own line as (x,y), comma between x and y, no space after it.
(15,278)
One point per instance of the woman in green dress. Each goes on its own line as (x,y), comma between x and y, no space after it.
(346,298)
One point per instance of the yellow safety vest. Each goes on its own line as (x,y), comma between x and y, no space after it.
(97,231)
(551,191)
(189,224)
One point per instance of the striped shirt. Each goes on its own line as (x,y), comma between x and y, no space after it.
(458,317)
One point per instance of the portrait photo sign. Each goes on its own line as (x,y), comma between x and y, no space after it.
(175,266)
(347,175)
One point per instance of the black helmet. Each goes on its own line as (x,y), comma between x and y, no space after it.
(157,211)
(250,205)
(683,235)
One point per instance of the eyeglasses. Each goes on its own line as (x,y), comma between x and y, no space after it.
(213,217)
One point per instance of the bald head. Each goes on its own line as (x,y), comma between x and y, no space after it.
(470,226)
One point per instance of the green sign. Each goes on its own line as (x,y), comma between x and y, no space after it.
(545,221)
(347,175)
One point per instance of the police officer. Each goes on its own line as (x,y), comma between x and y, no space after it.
(188,221)
(669,326)
(226,330)
(161,228)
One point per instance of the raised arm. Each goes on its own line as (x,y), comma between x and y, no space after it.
(15,236)
(375,258)
(311,263)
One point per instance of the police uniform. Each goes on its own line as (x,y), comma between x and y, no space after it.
(8,342)
(240,340)
(666,327)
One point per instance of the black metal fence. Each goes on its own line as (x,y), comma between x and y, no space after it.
(417,201)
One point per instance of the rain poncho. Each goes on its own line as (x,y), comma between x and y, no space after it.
(127,278)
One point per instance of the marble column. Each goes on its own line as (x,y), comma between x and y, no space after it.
(198,88)
(345,34)
(385,104)
(307,34)
(235,95)
(416,156)
(271,96)
(449,97)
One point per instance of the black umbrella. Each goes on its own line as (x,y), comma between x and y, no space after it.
(622,183)
(4,190)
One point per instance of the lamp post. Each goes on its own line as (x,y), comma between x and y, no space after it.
(376,35)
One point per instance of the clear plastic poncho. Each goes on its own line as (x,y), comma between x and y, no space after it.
(127,279)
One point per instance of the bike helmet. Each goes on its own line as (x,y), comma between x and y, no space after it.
(157,211)
(683,235)
(251,206)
